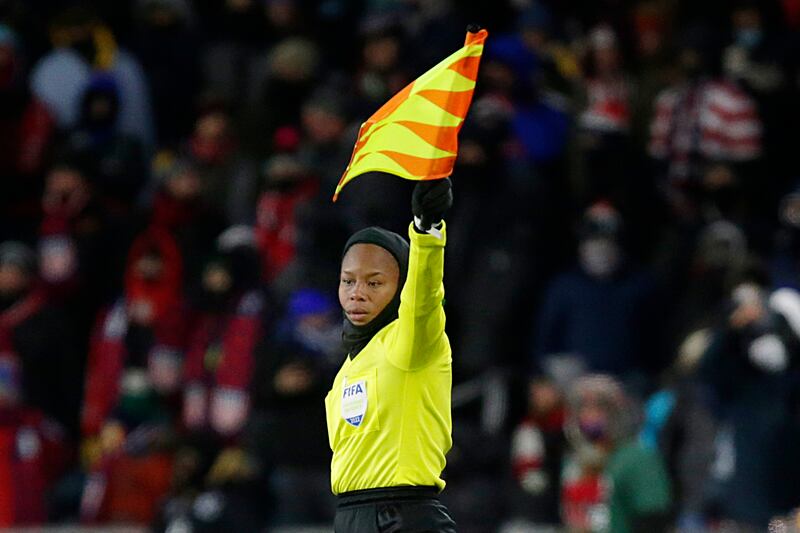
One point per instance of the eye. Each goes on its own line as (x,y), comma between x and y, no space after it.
(347,281)
(375,284)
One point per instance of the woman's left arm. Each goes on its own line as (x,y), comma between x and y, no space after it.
(420,337)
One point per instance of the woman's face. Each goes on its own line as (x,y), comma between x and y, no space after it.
(367,283)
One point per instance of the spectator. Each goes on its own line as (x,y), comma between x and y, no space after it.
(288,188)
(228,176)
(538,447)
(113,160)
(603,311)
(82,45)
(289,75)
(292,376)
(634,488)
(179,208)
(785,263)
(325,146)
(132,386)
(166,41)
(142,334)
(36,337)
(220,358)
(75,242)
(381,72)
(33,451)
(605,121)
(705,128)
(235,30)
(26,131)
(749,367)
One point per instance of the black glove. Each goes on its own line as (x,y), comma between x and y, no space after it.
(430,201)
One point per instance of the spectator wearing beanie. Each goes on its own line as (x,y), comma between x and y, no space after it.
(621,485)
(143,332)
(81,247)
(82,45)
(180,209)
(133,386)
(601,311)
(113,158)
(288,188)
(605,120)
(229,177)
(222,343)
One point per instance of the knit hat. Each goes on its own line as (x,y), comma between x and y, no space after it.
(601,220)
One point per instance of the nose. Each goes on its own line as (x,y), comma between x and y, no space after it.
(357,294)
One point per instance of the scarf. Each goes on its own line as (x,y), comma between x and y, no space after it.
(355,338)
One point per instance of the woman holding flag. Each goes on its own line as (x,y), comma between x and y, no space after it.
(388,412)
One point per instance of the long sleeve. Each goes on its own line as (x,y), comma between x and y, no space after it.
(420,336)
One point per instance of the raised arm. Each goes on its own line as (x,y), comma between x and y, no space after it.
(420,336)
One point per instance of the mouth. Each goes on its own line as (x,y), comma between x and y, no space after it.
(357,315)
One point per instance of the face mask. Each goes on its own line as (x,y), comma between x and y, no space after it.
(599,257)
(594,431)
(749,37)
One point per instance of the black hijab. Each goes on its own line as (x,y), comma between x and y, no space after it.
(354,338)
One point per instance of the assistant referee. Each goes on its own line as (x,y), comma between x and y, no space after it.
(388,411)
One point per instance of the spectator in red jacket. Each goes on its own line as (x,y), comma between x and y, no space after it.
(142,333)
(33,452)
(220,358)
(288,188)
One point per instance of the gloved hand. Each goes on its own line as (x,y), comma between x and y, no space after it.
(430,201)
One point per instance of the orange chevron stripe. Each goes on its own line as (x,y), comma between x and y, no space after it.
(422,166)
(454,102)
(467,67)
(395,102)
(443,138)
(362,139)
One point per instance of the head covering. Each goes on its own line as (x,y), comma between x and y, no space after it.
(621,423)
(601,219)
(354,338)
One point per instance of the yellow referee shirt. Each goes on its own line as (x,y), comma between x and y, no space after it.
(388,412)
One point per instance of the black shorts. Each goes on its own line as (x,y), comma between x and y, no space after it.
(392,510)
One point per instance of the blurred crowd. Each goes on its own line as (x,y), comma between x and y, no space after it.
(622,279)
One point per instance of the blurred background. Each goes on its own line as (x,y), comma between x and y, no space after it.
(622,265)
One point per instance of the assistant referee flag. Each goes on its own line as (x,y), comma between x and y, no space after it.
(415,134)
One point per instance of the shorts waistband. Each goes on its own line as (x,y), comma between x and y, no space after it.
(385,494)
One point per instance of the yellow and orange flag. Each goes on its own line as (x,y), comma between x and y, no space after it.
(415,134)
